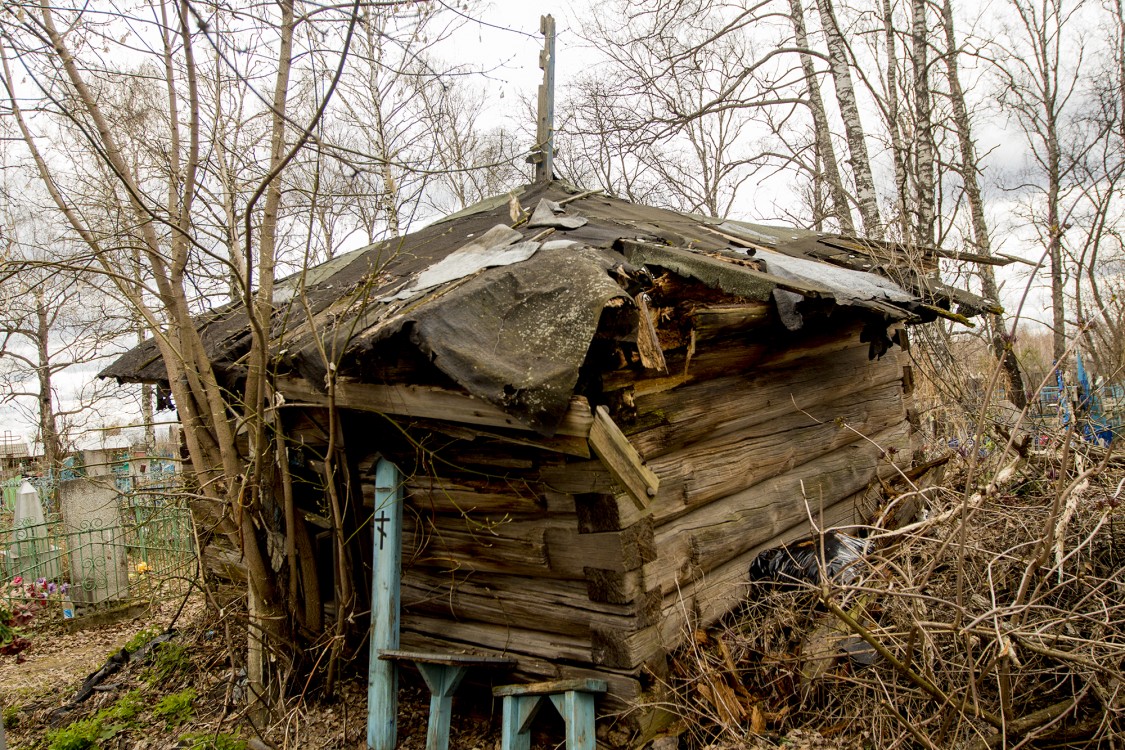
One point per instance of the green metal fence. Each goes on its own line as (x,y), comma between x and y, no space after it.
(97,564)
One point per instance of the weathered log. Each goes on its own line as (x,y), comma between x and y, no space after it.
(550,605)
(724,529)
(549,547)
(429,402)
(672,419)
(714,468)
(712,320)
(501,636)
(702,601)
(448,496)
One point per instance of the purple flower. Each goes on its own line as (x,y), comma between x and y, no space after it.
(52,588)
(65,588)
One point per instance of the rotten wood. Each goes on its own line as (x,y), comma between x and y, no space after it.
(709,321)
(622,459)
(648,343)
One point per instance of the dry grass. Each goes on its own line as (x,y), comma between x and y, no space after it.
(997,622)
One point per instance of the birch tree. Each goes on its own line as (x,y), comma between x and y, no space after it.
(828,167)
(839,64)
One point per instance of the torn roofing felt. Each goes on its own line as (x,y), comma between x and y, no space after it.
(508,313)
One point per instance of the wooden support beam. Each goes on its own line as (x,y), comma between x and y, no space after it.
(427,402)
(622,460)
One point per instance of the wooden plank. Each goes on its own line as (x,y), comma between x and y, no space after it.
(429,402)
(622,459)
(447,659)
(624,685)
(552,686)
(382,679)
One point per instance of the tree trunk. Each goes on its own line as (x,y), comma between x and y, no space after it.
(925,152)
(48,425)
(853,126)
(894,127)
(828,168)
(1001,342)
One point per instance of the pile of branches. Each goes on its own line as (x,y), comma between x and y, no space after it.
(997,621)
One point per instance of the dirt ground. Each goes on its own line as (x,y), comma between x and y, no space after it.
(33,691)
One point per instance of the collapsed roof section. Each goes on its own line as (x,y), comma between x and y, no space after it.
(505,297)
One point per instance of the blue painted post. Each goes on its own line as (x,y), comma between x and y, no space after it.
(382,676)
(442,680)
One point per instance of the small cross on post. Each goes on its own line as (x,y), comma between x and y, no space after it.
(380,527)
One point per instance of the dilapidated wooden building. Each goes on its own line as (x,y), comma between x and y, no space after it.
(603,412)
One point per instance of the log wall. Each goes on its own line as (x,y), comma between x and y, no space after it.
(537,553)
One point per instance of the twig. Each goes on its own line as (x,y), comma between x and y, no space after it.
(1026,724)
(910,674)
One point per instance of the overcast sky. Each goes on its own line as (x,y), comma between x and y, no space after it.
(506,46)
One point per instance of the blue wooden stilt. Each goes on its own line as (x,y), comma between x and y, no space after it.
(443,674)
(574,700)
(382,677)
(519,712)
(442,680)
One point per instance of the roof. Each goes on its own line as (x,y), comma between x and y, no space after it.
(507,309)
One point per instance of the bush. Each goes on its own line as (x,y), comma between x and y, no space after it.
(79,735)
(176,708)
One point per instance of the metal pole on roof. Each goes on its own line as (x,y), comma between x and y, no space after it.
(543,153)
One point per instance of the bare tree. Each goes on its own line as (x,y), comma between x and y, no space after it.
(157,198)
(1039,70)
(1000,338)
(828,169)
